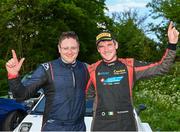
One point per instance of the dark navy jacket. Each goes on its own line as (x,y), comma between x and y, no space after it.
(64,88)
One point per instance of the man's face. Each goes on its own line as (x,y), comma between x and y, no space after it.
(107,50)
(69,49)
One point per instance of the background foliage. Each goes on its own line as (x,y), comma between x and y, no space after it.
(32,28)
(162,98)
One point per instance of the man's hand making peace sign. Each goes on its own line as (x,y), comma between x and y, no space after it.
(13,66)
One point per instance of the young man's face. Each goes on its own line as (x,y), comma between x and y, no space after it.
(69,49)
(107,50)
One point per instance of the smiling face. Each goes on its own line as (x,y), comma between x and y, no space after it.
(107,50)
(69,49)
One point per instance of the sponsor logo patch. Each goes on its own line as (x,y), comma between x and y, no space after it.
(117,72)
(112,80)
(102,73)
(46,66)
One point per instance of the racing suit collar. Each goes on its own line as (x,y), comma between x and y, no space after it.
(110,63)
(69,65)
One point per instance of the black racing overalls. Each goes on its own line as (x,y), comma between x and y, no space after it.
(113,109)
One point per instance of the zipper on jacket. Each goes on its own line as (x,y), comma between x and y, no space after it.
(73,76)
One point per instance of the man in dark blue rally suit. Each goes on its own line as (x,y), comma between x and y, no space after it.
(114,78)
(63,81)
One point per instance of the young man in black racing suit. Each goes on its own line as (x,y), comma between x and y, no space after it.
(113,79)
(63,81)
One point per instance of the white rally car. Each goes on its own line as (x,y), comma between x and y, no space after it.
(33,121)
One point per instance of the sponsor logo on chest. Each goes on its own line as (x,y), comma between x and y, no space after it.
(113,77)
(111,80)
(118,72)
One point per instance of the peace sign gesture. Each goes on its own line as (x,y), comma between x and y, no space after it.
(13,66)
(172,34)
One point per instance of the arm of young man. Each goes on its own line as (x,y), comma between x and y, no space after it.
(143,70)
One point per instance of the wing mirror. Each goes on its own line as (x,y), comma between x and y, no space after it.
(141,108)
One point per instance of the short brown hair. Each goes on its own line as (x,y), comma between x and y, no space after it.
(68,34)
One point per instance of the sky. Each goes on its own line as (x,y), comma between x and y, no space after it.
(120,5)
(138,5)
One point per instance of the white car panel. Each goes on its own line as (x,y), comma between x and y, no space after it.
(33,121)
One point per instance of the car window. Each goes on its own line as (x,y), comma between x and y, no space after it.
(40,107)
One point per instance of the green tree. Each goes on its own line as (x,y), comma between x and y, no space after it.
(169,10)
(132,40)
(33,27)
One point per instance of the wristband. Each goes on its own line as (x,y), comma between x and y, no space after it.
(12,76)
(172,46)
